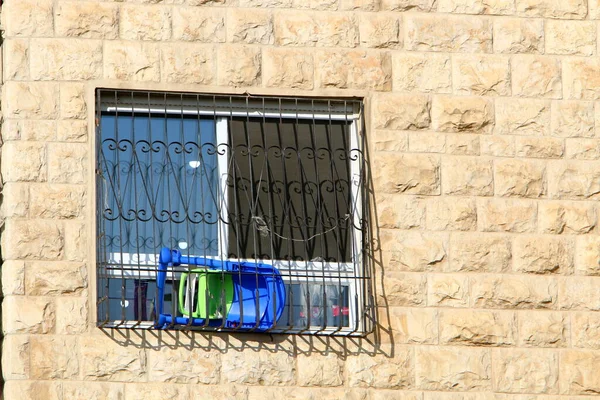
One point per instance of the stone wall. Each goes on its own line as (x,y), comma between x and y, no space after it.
(485,146)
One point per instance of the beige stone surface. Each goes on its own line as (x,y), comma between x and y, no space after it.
(72,131)
(523,117)
(481,75)
(530,371)
(397,211)
(448,34)
(543,255)
(573,180)
(536,76)
(494,7)
(105,360)
(469,176)
(251,368)
(504,215)
(414,325)
(288,68)
(573,119)
(67,162)
(196,367)
(578,372)
(516,35)
(585,328)
(15,197)
(353,69)
(563,9)
(390,140)
(36,239)
(518,178)
(582,149)
(406,5)
(419,142)
(514,291)
(250,26)
(414,72)
(157,391)
(497,146)
(401,111)
(315,370)
(17,65)
(587,254)
(238,65)
(479,253)
(540,147)
(54,357)
(28,18)
(72,101)
(462,114)
(570,37)
(543,329)
(463,145)
(34,390)
(131,60)
(72,315)
(15,356)
(409,173)
(87,20)
(28,315)
(380,31)
(188,63)
(13,277)
(448,290)
(316,29)
(448,214)
(55,278)
(579,293)
(57,201)
(144,22)
(199,24)
(415,251)
(581,78)
(478,328)
(93,390)
(403,289)
(566,217)
(35,100)
(382,372)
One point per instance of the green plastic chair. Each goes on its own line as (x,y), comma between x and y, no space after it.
(214,288)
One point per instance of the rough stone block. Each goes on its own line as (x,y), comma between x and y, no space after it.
(250,26)
(380,31)
(16,61)
(67,162)
(406,5)
(390,140)
(587,255)
(409,173)
(15,356)
(414,72)
(414,325)
(563,9)
(288,68)
(365,5)
(451,214)
(481,75)
(331,5)
(513,291)
(494,7)
(145,22)
(131,61)
(479,253)
(27,315)
(571,37)
(525,371)
(15,200)
(354,69)
(76,243)
(520,178)
(316,29)
(31,18)
(452,368)
(24,162)
(478,328)
(573,119)
(87,20)
(543,329)
(500,215)
(463,145)
(238,65)
(251,368)
(188,63)
(317,370)
(57,201)
(72,101)
(415,251)
(539,147)
(585,330)
(408,112)
(32,100)
(402,212)
(579,293)
(105,360)
(419,142)
(518,35)
(171,365)
(72,315)
(382,372)
(93,390)
(522,117)
(54,357)
(157,391)
(566,217)
(199,24)
(72,131)
(13,277)
(448,33)
(467,176)
(403,289)
(55,278)
(543,255)
(582,149)
(576,180)
(462,114)
(32,239)
(497,146)
(33,390)
(536,76)
(448,290)
(579,372)
(581,78)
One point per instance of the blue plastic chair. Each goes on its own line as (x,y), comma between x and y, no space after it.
(258,294)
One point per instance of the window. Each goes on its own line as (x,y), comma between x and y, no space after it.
(279,181)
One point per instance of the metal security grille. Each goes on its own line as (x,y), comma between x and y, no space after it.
(264,196)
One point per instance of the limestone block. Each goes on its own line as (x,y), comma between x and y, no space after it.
(539,147)
(408,112)
(494,7)
(15,198)
(543,329)
(251,368)
(497,146)
(32,239)
(566,217)
(76,243)
(288,68)
(380,31)
(31,18)
(16,59)
(414,72)
(513,291)
(316,4)
(232,392)
(144,22)
(579,372)
(467,176)
(403,289)
(238,65)
(448,33)
(462,114)
(408,173)
(523,117)
(581,77)
(354,69)
(582,149)
(174,366)
(72,102)
(415,251)
(396,395)
(34,100)
(156,391)
(579,293)
(452,368)
(15,356)
(573,180)
(93,390)
(33,390)
(250,26)
(131,61)
(414,325)
(504,215)
(562,9)
(13,277)
(448,290)
(71,315)
(27,315)
(536,76)
(382,372)
(106,360)
(481,75)
(543,255)
(389,140)
(11,129)
(87,20)
(199,24)
(478,328)
(397,211)
(587,255)
(265,3)
(571,37)
(517,35)
(419,142)
(54,357)
(451,214)
(57,201)
(406,5)
(585,328)
(365,5)
(479,253)
(55,278)
(72,131)
(520,178)
(573,119)
(316,29)
(24,161)
(317,370)
(67,162)
(188,63)
(525,371)
(463,145)
(207,2)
